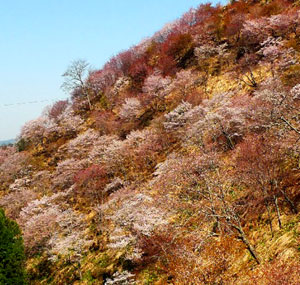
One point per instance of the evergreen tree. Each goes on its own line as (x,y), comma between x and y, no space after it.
(12,254)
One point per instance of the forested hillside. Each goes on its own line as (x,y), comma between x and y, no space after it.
(177,162)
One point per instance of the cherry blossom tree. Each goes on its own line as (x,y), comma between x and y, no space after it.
(113,156)
(79,147)
(163,34)
(275,105)
(38,221)
(65,172)
(35,130)
(183,83)
(271,50)
(280,24)
(101,80)
(123,277)
(255,31)
(48,226)
(220,123)
(130,109)
(114,185)
(138,214)
(99,150)
(295,92)
(177,118)
(15,201)
(14,166)
(69,122)
(70,240)
(6,152)
(156,85)
(121,85)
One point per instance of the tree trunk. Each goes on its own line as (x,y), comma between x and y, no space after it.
(269,218)
(228,139)
(290,202)
(277,211)
(290,125)
(90,104)
(250,248)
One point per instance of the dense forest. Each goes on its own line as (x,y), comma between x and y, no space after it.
(177,162)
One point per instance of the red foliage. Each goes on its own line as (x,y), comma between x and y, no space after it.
(195,97)
(125,60)
(205,13)
(106,122)
(154,246)
(274,7)
(176,51)
(260,166)
(57,109)
(94,172)
(138,71)
(167,65)
(207,20)
(233,23)
(90,183)
(276,273)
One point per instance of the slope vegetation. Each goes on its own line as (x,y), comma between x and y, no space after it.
(176,163)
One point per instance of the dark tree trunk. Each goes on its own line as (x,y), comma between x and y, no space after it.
(249,246)
(269,218)
(277,211)
(290,202)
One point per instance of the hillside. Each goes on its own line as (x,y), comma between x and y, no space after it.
(176,163)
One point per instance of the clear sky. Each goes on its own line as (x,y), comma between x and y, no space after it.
(39,38)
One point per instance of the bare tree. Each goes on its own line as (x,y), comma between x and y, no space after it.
(218,205)
(75,77)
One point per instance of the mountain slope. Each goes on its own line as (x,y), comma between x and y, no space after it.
(176,163)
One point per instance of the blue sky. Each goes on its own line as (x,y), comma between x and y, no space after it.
(39,38)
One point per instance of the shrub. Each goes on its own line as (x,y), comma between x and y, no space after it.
(21,145)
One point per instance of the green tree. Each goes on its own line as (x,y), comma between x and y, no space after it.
(12,256)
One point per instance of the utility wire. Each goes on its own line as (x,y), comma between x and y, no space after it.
(31,102)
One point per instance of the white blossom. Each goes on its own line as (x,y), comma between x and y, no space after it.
(130,109)
(121,278)
(176,118)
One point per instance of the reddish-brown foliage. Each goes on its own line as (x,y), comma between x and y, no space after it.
(176,51)
(277,273)
(106,122)
(57,109)
(274,7)
(138,71)
(90,183)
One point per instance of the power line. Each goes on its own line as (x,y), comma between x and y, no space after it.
(31,102)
